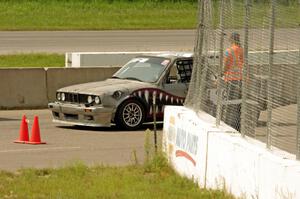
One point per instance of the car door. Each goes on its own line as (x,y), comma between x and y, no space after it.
(177,81)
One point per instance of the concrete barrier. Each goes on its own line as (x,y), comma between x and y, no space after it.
(35,87)
(219,158)
(22,88)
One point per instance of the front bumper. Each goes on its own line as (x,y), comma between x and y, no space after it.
(76,114)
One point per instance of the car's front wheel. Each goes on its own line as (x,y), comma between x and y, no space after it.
(130,115)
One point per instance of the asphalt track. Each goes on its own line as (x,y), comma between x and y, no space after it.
(109,146)
(134,40)
(66,145)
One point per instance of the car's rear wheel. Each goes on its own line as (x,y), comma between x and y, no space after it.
(130,115)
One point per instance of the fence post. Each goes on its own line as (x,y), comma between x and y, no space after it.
(220,69)
(190,97)
(298,111)
(154,120)
(270,74)
(245,68)
(200,56)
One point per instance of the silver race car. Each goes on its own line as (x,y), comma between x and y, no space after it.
(126,98)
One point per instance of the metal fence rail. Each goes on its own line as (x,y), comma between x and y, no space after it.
(264,103)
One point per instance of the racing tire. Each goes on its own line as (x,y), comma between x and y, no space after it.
(130,115)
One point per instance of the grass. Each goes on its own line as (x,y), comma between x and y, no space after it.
(32,60)
(95,15)
(124,15)
(153,180)
(287,16)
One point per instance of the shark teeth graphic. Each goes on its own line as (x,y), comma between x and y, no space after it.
(172,99)
(154,96)
(160,96)
(181,101)
(134,94)
(167,97)
(154,93)
(147,96)
(150,111)
(177,100)
(162,109)
(140,94)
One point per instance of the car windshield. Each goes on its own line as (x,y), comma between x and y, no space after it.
(145,69)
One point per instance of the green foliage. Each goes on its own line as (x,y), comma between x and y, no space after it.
(32,60)
(154,179)
(96,15)
(80,181)
(148,146)
(126,14)
(158,163)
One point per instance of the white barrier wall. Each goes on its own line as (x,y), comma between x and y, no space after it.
(91,59)
(218,158)
(87,59)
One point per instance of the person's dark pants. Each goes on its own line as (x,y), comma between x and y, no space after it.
(232,112)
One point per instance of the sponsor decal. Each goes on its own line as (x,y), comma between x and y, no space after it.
(187,142)
(142,60)
(180,153)
(165,62)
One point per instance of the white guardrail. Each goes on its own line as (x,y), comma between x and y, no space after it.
(218,158)
(88,59)
(91,59)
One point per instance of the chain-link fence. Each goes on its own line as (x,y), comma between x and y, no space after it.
(247,68)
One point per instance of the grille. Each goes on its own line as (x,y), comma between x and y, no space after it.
(76,98)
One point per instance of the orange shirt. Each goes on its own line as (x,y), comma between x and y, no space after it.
(233,63)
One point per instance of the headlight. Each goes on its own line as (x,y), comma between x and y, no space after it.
(117,94)
(58,97)
(63,96)
(97,100)
(90,99)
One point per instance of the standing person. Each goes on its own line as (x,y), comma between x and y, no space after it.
(233,66)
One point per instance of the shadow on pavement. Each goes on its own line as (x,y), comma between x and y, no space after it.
(113,128)
(8,119)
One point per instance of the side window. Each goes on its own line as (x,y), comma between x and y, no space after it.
(184,69)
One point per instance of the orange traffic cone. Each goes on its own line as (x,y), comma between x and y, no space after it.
(35,133)
(23,131)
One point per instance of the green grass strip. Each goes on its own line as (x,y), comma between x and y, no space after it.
(32,60)
(155,180)
(130,14)
(95,15)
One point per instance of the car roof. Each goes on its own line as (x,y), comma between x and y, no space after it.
(169,55)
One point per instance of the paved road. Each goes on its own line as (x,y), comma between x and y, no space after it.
(65,144)
(74,41)
(141,40)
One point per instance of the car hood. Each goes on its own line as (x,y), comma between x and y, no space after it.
(106,86)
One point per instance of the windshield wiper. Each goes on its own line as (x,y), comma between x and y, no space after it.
(115,77)
(132,78)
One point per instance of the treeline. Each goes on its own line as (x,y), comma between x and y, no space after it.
(281,2)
